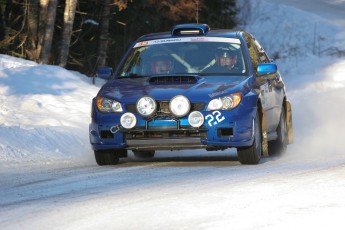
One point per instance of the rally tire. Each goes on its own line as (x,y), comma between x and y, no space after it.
(252,155)
(106,157)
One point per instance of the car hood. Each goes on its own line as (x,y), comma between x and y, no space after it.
(165,87)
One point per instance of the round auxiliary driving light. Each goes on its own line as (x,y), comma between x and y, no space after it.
(196,119)
(146,106)
(128,120)
(179,106)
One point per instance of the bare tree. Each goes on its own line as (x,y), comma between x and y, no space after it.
(48,13)
(69,14)
(3,32)
(104,33)
(104,30)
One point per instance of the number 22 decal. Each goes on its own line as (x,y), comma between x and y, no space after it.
(214,118)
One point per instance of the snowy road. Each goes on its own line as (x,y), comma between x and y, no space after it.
(178,193)
(303,188)
(49,179)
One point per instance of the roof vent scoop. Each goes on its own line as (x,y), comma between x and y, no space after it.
(190,29)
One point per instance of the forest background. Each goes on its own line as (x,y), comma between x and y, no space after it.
(84,35)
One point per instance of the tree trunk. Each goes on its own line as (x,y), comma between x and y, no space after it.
(2,23)
(31,49)
(67,31)
(43,9)
(48,29)
(104,34)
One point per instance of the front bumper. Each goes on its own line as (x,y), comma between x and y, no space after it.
(222,129)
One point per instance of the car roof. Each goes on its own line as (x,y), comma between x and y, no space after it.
(203,28)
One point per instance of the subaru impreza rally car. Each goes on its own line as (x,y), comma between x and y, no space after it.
(192,88)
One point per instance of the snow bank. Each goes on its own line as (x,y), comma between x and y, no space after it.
(44,113)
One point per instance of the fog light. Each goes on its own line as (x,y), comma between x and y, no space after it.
(196,119)
(179,106)
(146,106)
(128,120)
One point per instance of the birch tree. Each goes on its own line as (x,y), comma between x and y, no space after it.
(69,14)
(48,13)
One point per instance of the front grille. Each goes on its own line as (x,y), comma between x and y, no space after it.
(163,107)
(165,133)
(197,106)
(165,139)
(131,108)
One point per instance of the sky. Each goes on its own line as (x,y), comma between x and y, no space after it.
(47,167)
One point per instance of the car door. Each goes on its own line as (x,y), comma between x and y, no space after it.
(270,93)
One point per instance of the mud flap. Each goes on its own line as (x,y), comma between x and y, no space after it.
(289,124)
(264,142)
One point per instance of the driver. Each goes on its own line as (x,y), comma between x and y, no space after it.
(223,62)
(162,64)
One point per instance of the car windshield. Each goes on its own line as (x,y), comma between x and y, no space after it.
(186,55)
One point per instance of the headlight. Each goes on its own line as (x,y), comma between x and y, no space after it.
(146,106)
(225,103)
(107,105)
(196,119)
(128,120)
(179,106)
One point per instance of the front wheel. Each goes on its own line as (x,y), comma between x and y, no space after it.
(106,157)
(252,155)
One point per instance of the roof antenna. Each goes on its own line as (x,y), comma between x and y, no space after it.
(197,11)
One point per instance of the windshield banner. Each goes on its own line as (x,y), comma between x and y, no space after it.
(187,39)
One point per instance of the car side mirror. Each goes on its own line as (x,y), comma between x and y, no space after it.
(266,69)
(104,73)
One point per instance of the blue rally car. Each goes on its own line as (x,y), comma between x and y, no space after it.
(192,88)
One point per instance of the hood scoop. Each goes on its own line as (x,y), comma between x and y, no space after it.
(168,80)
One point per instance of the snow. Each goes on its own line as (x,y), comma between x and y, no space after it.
(49,178)
(91,21)
(44,112)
